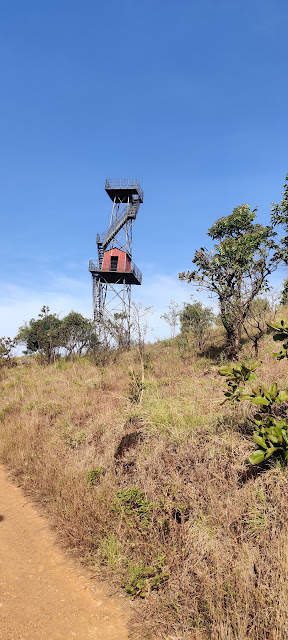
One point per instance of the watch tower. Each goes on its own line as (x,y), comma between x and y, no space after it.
(114,272)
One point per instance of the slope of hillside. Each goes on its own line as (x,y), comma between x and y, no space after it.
(157,496)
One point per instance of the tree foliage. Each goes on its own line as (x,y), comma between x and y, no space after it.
(284,293)
(47,335)
(78,334)
(237,269)
(7,345)
(196,319)
(42,335)
(280,217)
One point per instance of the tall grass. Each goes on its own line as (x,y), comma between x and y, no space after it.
(156,497)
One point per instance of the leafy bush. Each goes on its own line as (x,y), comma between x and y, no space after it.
(144,579)
(133,503)
(236,375)
(281,334)
(271,435)
(93,476)
(271,430)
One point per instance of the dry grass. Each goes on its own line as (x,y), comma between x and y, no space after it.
(156,497)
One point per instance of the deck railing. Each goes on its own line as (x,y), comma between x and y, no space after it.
(124,183)
(130,267)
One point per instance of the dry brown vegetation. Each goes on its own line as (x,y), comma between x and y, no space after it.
(157,497)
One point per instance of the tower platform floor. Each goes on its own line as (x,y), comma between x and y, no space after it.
(116,277)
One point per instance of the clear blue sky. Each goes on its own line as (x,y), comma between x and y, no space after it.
(188,97)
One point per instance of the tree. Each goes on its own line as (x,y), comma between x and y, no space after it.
(78,334)
(48,335)
(197,320)
(255,324)
(42,335)
(172,316)
(284,293)
(7,345)
(237,270)
(280,217)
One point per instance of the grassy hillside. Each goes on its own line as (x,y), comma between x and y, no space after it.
(158,497)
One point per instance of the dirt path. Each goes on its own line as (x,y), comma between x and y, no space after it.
(43,594)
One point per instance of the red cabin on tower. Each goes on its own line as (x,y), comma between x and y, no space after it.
(117,267)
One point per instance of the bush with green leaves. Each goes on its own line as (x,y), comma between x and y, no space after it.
(271,434)
(145,578)
(271,421)
(281,335)
(135,506)
(237,375)
(93,476)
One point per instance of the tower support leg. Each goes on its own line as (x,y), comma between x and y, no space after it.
(112,311)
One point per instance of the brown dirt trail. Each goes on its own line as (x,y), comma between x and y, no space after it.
(44,595)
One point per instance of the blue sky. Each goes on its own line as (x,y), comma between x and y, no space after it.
(188,97)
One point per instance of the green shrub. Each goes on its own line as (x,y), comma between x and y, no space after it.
(281,334)
(93,476)
(133,503)
(145,578)
(271,428)
(235,376)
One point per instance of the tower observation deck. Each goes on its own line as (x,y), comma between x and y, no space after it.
(124,190)
(114,272)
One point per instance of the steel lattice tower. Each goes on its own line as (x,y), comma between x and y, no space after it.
(114,272)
